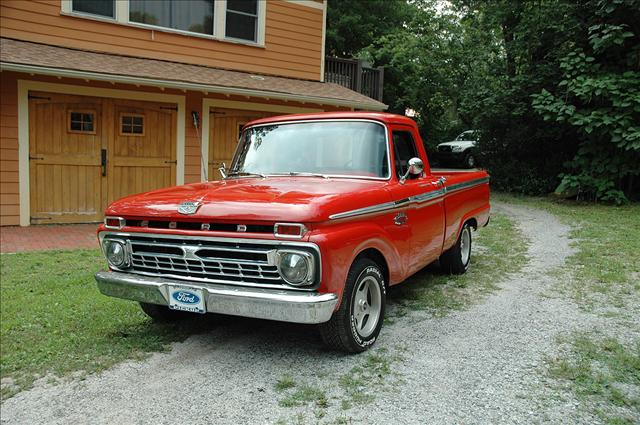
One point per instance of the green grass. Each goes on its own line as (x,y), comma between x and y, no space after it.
(606,267)
(305,394)
(603,373)
(361,383)
(53,320)
(603,277)
(499,249)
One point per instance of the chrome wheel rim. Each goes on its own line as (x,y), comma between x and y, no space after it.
(465,245)
(367,303)
(471,161)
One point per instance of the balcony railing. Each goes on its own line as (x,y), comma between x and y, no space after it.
(355,75)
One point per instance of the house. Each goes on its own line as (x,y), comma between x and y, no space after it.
(105,98)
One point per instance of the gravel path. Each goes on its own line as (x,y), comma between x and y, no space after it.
(481,365)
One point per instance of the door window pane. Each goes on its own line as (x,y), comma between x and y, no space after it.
(95,7)
(242,19)
(404,149)
(132,125)
(186,15)
(81,122)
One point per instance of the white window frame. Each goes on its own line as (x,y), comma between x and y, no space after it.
(219,24)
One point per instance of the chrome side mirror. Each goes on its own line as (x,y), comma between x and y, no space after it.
(416,167)
(223,171)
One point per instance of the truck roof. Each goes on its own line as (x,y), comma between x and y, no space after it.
(383,117)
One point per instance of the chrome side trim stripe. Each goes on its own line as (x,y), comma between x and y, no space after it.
(430,197)
(466,185)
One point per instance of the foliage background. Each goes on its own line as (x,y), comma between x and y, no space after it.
(554,86)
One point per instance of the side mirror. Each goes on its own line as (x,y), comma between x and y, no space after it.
(223,171)
(416,167)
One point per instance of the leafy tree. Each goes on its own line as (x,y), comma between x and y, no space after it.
(599,95)
(353,25)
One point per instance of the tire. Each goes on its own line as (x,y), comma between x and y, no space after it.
(470,161)
(456,260)
(162,313)
(354,327)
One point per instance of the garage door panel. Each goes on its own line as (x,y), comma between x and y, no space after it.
(139,179)
(65,190)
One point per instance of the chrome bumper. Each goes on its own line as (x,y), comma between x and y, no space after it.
(272,304)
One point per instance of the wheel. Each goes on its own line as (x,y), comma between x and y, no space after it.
(162,313)
(356,325)
(456,259)
(470,160)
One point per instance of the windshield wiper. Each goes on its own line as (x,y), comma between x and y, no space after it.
(244,174)
(298,173)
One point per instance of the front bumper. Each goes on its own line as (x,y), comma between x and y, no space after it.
(272,304)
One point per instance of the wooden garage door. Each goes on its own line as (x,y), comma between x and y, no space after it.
(143,155)
(66,141)
(86,152)
(224,132)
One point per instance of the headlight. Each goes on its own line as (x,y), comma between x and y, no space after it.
(457,148)
(116,253)
(295,267)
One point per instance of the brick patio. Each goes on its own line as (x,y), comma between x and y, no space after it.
(47,237)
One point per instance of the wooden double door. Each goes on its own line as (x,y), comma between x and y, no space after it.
(85,152)
(224,132)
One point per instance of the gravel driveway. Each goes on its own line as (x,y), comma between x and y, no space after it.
(481,365)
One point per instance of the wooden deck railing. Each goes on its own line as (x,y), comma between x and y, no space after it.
(353,74)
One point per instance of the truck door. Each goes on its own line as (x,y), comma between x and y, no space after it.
(424,214)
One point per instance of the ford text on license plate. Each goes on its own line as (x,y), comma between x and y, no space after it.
(186,299)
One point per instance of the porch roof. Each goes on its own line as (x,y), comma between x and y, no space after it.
(23,56)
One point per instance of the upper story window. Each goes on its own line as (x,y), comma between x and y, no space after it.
(186,15)
(242,19)
(106,8)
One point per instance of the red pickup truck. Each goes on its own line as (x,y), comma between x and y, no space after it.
(316,217)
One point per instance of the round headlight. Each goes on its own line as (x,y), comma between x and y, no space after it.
(115,253)
(294,267)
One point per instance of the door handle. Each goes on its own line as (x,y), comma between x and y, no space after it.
(175,161)
(103,161)
(35,158)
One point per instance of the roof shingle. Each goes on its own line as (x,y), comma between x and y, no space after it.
(16,52)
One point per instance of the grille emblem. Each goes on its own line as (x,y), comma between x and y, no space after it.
(188,207)
(241,228)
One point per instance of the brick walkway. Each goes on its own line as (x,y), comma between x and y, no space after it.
(46,237)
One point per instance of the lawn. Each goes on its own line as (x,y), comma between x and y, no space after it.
(54,320)
(603,277)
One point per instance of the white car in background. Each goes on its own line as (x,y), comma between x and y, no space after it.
(461,151)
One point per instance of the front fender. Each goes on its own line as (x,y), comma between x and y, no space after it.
(341,243)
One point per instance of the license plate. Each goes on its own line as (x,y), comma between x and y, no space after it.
(185,298)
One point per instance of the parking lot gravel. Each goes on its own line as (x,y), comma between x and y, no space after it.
(481,365)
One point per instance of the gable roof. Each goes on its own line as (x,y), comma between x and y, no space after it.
(24,56)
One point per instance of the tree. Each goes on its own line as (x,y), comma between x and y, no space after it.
(599,95)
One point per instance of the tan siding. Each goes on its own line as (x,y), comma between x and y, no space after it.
(293,38)
(9,203)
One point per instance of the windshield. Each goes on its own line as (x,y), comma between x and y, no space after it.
(329,148)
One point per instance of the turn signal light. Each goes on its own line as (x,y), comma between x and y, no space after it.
(289,230)
(114,222)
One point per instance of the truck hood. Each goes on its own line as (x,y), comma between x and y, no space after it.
(286,199)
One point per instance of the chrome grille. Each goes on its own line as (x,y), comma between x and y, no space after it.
(208,260)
